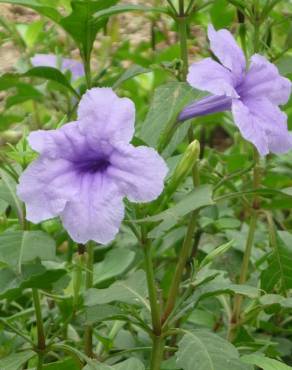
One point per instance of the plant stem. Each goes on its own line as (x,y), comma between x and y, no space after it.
(39,320)
(87,70)
(152,290)
(244,266)
(157,352)
(40,361)
(88,284)
(184,254)
(248,248)
(157,338)
(182,30)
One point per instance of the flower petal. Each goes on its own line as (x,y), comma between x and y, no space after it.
(45,187)
(269,115)
(102,114)
(224,46)
(139,172)
(66,142)
(97,213)
(250,127)
(208,75)
(263,80)
(273,121)
(44,60)
(64,64)
(207,105)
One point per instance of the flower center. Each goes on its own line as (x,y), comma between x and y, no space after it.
(92,165)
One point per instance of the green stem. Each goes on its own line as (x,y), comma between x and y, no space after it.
(157,352)
(157,338)
(40,361)
(182,30)
(87,70)
(41,340)
(183,257)
(235,319)
(245,264)
(88,284)
(152,290)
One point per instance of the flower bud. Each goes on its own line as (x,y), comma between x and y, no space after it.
(185,165)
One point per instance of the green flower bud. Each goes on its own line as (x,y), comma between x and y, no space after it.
(184,167)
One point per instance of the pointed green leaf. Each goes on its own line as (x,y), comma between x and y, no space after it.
(18,247)
(15,361)
(132,291)
(265,363)
(208,351)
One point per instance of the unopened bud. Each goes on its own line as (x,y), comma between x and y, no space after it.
(185,165)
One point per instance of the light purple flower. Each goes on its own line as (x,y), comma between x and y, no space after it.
(64,64)
(87,167)
(253,95)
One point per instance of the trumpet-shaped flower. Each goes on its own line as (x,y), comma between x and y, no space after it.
(87,167)
(64,64)
(252,94)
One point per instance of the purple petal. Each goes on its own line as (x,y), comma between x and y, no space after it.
(263,124)
(280,142)
(45,60)
(96,214)
(250,127)
(273,121)
(269,115)
(45,186)
(102,114)
(227,51)
(263,80)
(76,68)
(66,142)
(139,172)
(207,105)
(64,64)
(208,75)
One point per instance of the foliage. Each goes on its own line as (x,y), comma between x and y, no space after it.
(223,316)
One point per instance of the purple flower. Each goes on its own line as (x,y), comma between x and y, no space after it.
(64,64)
(87,167)
(253,95)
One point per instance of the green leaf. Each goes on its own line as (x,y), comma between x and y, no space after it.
(167,103)
(132,291)
(15,361)
(207,351)
(131,72)
(285,65)
(67,364)
(275,299)
(39,6)
(130,364)
(222,14)
(118,9)
(81,24)
(196,199)
(18,247)
(33,275)
(265,363)
(52,74)
(103,312)
(280,261)
(8,193)
(115,263)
